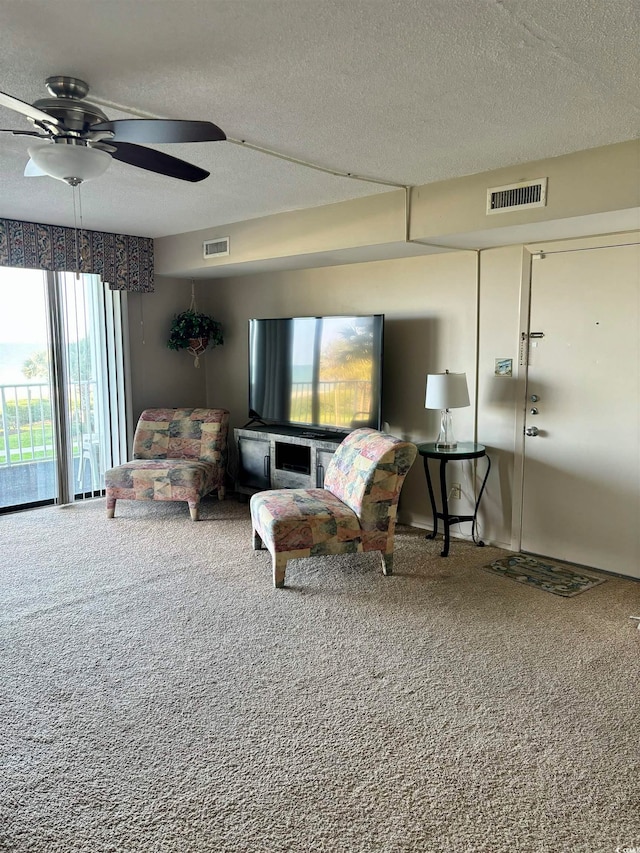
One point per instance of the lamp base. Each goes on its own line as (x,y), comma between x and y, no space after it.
(446,440)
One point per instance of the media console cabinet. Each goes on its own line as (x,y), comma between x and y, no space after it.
(278,457)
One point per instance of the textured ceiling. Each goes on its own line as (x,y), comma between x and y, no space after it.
(409,91)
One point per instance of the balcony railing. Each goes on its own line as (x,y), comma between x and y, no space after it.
(26,426)
(28,473)
(337,401)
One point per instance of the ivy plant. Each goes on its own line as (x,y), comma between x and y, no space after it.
(192,324)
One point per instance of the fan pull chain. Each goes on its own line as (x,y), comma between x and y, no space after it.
(141,319)
(75,232)
(81,232)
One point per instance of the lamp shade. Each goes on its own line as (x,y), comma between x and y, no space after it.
(71,163)
(446,391)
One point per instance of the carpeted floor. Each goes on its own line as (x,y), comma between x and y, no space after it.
(159,696)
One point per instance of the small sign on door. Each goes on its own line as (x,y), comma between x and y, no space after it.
(504,367)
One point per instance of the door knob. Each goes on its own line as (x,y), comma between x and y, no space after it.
(532,431)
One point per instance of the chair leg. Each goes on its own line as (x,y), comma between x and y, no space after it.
(387,563)
(111,507)
(279,567)
(257,542)
(194,509)
(221,493)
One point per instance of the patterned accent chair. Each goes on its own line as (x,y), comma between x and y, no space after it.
(178,455)
(356,510)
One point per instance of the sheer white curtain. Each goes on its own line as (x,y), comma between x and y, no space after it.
(89,377)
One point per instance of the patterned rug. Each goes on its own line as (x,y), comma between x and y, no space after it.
(549,575)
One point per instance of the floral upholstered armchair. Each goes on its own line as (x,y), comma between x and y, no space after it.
(356,510)
(178,455)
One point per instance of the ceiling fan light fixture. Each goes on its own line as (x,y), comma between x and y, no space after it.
(77,130)
(73,164)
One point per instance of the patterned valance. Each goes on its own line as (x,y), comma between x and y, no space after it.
(125,262)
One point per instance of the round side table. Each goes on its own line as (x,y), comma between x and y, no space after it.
(463,450)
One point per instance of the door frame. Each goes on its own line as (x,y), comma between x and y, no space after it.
(521,379)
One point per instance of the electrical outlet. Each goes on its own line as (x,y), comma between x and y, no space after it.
(456,492)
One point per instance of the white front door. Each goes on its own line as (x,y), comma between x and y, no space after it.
(581,497)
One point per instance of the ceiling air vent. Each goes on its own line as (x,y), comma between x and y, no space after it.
(517,196)
(215,248)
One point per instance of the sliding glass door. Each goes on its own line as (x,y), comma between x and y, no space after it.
(62,386)
(27,445)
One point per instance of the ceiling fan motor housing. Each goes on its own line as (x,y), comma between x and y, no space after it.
(68,105)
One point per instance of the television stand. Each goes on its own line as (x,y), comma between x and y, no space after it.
(279,457)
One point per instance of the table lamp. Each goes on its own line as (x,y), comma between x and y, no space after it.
(446,391)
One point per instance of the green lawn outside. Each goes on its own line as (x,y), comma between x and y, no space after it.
(41,448)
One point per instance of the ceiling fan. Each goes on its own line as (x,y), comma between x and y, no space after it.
(79,140)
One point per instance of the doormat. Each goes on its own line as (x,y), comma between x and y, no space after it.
(549,575)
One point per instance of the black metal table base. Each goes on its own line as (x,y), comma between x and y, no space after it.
(444,516)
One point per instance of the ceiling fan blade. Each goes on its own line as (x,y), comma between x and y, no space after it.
(161,130)
(23,132)
(156,161)
(27,110)
(33,171)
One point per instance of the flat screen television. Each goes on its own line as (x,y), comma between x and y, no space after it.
(323,373)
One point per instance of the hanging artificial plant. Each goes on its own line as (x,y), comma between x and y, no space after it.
(194,331)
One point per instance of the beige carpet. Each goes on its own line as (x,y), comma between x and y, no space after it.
(157,694)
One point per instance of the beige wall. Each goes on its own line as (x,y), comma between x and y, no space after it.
(599,185)
(458,311)
(503,286)
(438,316)
(580,184)
(376,219)
(430,325)
(160,376)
